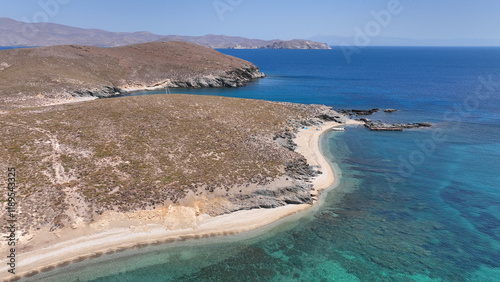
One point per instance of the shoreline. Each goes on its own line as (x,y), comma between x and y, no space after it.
(116,232)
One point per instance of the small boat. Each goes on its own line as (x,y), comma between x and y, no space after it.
(338,128)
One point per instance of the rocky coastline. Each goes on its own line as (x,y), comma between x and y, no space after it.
(64,73)
(238,77)
(296,186)
(383,126)
(379,125)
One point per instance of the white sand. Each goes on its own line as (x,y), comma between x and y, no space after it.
(308,145)
(116,231)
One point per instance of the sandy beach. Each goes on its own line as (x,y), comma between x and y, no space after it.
(117,231)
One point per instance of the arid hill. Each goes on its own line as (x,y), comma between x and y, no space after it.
(37,76)
(75,161)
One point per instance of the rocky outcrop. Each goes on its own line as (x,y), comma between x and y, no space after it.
(104,92)
(379,125)
(234,78)
(271,198)
(382,126)
(332,117)
(266,197)
(286,140)
(359,112)
(300,170)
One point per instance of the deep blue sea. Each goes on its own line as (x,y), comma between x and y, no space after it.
(418,205)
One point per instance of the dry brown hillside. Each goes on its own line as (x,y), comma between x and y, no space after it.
(76,161)
(37,76)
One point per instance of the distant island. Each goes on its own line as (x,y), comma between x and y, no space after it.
(15,33)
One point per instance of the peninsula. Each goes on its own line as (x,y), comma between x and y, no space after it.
(55,74)
(99,176)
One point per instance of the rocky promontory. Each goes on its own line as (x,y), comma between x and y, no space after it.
(44,75)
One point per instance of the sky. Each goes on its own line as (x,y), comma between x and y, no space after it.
(453,21)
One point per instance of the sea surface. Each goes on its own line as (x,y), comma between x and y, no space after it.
(418,205)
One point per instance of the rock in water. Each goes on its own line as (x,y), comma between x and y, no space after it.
(390,110)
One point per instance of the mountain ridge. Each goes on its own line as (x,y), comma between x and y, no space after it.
(15,33)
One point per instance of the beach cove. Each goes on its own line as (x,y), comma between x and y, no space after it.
(115,232)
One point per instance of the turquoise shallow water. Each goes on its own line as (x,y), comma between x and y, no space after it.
(419,205)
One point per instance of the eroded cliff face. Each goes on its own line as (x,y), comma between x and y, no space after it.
(236,77)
